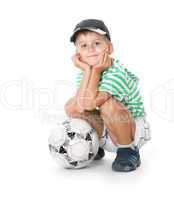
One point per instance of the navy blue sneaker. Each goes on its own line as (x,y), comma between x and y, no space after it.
(100,154)
(127,160)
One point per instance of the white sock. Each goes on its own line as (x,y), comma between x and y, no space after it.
(131,145)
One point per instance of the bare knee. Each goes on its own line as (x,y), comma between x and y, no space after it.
(70,107)
(114,110)
(110,107)
(115,114)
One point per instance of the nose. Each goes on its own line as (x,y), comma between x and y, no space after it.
(91,48)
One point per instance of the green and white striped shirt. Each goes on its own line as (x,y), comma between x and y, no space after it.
(122,85)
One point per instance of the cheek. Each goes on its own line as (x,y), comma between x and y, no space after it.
(100,49)
(82,57)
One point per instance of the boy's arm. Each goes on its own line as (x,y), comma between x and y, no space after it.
(81,93)
(94,98)
(88,97)
(75,103)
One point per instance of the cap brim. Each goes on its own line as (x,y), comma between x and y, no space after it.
(99,31)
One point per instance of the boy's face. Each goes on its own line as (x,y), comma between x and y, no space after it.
(91,46)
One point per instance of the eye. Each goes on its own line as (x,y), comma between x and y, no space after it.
(97,43)
(83,46)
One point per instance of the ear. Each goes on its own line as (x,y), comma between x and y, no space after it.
(110,48)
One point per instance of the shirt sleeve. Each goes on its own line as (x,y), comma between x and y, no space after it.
(78,79)
(115,83)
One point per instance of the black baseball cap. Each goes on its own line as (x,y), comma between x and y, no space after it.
(94,25)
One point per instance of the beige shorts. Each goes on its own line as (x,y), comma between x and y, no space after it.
(142,135)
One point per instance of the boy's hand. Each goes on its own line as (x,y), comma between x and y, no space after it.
(78,63)
(104,63)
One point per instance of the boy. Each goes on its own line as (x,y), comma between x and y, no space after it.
(108,96)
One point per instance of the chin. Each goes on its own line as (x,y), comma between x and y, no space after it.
(92,61)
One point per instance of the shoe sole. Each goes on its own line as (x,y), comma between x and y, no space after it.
(120,170)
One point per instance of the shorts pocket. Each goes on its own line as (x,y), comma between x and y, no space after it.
(147,130)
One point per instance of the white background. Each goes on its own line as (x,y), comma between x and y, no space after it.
(37,77)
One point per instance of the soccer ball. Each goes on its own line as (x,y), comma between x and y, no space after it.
(74,143)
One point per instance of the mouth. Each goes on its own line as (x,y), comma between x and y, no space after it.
(92,56)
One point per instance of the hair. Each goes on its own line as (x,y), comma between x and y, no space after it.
(85,32)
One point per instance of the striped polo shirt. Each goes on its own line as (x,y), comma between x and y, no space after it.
(122,85)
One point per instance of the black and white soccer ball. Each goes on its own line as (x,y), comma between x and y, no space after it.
(73,143)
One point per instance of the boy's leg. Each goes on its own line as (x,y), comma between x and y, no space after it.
(119,122)
(93,117)
(116,117)
(121,128)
